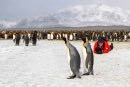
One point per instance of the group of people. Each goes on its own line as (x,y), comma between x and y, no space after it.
(100,46)
(26,38)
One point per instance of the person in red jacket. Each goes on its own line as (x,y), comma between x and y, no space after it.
(101,46)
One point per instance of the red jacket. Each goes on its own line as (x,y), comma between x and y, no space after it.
(105,49)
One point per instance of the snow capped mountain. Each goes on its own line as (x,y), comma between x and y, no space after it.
(48,21)
(94,15)
(7,24)
(77,16)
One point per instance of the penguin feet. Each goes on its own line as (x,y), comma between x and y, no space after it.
(26,45)
(91,73)
(86,73)
(71,77)
(78,77)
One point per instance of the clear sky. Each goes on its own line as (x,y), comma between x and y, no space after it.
(28,8)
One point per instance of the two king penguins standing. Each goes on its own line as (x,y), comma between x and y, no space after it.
(75,59)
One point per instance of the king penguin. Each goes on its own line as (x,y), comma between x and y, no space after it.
(89,61)
(74,60)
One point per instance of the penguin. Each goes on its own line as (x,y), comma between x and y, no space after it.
(52,35)
(6,36)
(57,36)
(74,60)
(66,36)
(29,35)
(26,39)
(34,38)
(89,61)
(14,38)
(125,37)
(71,37)
(17,39)
(48,36)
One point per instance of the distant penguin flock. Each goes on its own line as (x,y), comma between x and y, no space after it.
(26,38)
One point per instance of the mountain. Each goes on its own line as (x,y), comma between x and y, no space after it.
(76,16)
(7,23)
(93,15)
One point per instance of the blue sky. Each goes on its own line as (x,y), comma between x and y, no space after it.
(30,8)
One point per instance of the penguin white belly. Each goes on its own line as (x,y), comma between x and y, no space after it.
(125,37)
(71,37)
(60,36)
(129,34)
(66,36)
(6,36)
(84,54)
(13,37)
(51,36)
(29,35)
(48,36)
(68,59)
(57,37)
(68,56)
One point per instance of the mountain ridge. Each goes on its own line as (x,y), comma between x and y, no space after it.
(75,16)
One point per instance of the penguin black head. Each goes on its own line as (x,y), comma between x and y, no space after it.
(64,40)
(84,39)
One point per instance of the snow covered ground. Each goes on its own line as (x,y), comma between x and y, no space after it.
(46,65)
